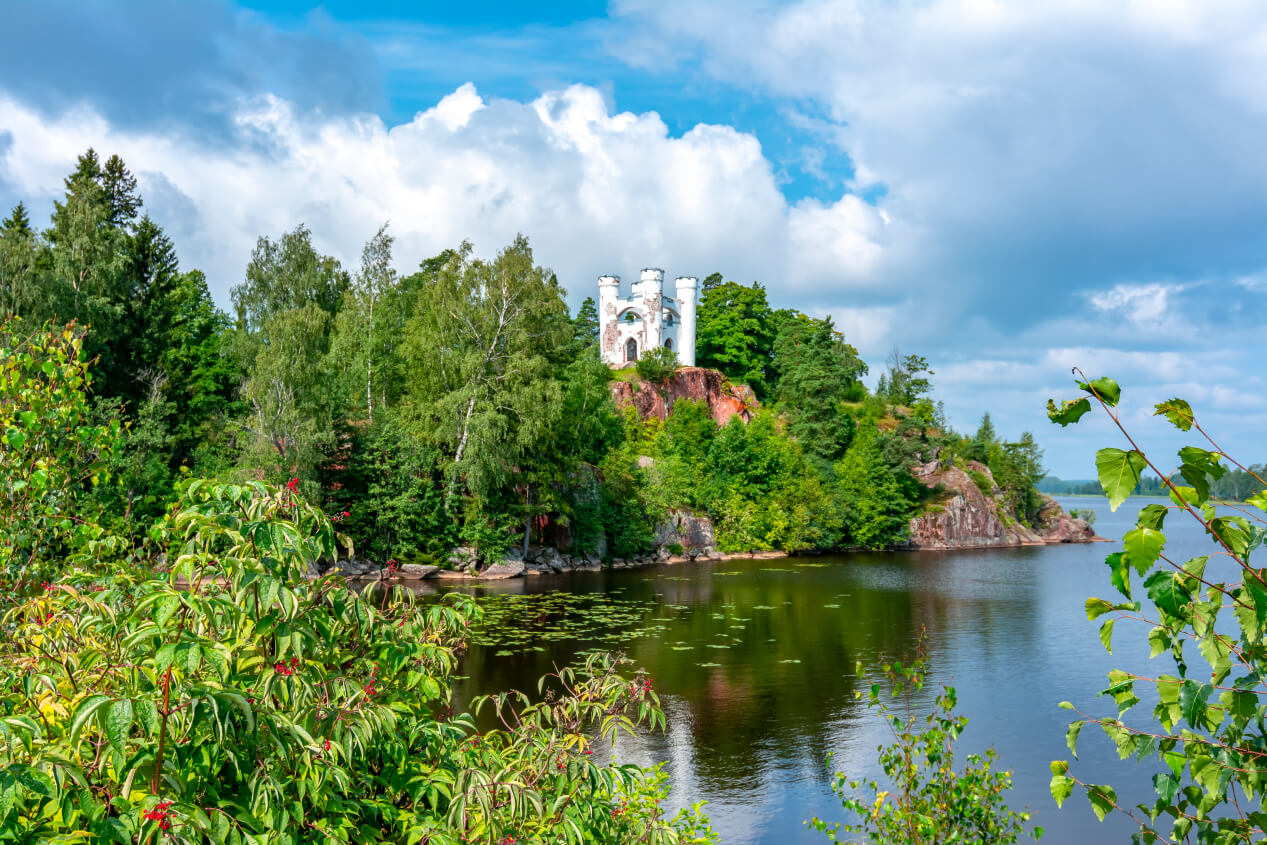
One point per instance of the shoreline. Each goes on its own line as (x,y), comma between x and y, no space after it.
(456,576)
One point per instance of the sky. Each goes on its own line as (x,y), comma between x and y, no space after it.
(1009,189)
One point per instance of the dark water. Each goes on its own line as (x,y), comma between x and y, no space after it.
(754,661)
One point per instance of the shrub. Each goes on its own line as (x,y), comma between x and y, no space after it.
(1087,515)
(230,701)
(1209,725)
(926,801)
(50,450)
(657,365)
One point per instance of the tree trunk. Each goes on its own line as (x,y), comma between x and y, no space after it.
(527,518)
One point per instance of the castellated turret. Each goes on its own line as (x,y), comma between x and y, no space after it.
(647,319)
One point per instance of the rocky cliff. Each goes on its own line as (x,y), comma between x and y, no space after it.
(724,399)
(966,516)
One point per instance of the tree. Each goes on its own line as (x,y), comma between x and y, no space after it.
(358,348)
(51,450)
(485,344)
(907,378)
(984,441)
(818,371)
(88,263)
(586,323)
(657,365)
(734,333)
(121,194)
(19,250)
(1205,618)
(878,506)
(285,315)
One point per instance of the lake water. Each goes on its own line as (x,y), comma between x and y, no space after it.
(754,662)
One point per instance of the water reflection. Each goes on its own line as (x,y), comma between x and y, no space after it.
(755,664)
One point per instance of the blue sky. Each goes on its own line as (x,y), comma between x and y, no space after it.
(1008,189)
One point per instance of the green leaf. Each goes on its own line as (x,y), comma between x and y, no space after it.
(1152,516)
(1192,702)
(1106,636)
(1071,737)
(1103,799)
(35,781)
(1166,785)
(1182,496)
(1119,573)
(1196,566)
(1143,547)
(1096,608)
(1158,641)
(1061,784)
(83,713)
(1119,472)
(1177,411)
(1235,532)
(1069,411)
(1259,500)
(1167,591)
(1106,388)
(147,715)
(1206,461)
(1218,653)
(119,723)
(16,438)
(164,608)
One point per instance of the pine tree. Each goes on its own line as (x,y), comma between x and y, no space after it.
(585,323)
(121,194)
(18,222)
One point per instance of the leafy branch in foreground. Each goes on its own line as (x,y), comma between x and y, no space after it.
(927,801)
(230,701)
(1211,735)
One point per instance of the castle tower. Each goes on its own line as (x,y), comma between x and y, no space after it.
(686,286)
(608,293)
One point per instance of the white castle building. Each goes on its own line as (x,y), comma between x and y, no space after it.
(647,319)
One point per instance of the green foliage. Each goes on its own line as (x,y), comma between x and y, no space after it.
(285,317)
(906,380)
(52,450)
(1207,727)
(879,501)
(230,701)
(735,333)
(925,801)
(657,365)
(1087,515)
(818,372)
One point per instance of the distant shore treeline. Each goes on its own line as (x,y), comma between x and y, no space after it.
(462,403)
(1235,486)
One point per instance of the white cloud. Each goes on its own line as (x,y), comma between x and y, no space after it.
(1146,305)
(595,191)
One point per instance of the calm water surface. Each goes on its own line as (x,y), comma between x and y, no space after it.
(754,664)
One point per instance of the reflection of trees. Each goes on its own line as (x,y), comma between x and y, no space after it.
(756,712)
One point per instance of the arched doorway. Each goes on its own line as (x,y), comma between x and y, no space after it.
(631,350)
(668,344)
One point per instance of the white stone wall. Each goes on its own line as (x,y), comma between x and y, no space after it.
(646,319)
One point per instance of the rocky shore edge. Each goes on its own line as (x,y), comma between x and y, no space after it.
(966,511)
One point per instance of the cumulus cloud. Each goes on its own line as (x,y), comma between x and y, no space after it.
(1017,188)
(1146,305)
(596,191)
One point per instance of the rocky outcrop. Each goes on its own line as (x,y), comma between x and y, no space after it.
(692,532)
(967,515)
(725,400)
(1056,526)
